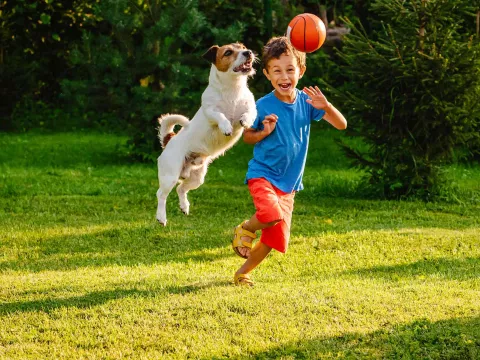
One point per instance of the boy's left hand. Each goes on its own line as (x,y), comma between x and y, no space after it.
(317,99)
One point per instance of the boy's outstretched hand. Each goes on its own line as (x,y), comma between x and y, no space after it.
(317,99)
(320,102)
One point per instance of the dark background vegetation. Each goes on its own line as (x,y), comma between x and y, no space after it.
(406,76)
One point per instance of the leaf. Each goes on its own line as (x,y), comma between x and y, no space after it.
(56,37)
(45,19)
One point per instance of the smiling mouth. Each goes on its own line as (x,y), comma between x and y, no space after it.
(284,86)
(245,67)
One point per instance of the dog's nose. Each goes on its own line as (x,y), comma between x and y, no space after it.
(247,54)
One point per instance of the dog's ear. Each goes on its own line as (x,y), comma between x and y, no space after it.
(211,54)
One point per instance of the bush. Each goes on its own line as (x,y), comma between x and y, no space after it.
(146,62)
(35,38)
(413,93)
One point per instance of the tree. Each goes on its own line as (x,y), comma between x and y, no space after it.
(413,92)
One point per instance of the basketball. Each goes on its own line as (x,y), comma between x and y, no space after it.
(306,32)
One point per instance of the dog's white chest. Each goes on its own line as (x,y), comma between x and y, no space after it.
(233,109)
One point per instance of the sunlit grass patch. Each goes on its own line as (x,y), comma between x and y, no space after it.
(86,272)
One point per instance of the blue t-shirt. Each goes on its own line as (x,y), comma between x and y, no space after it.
(280,157)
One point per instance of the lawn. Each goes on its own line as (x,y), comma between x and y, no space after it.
(87,273)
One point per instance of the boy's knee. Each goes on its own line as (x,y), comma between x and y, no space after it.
(273,223)
(270,216)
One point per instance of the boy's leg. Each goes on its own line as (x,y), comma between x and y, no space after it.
(275,235)
(258,254)
(268,214)
(253,225)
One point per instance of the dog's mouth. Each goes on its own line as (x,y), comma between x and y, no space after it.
(245,67)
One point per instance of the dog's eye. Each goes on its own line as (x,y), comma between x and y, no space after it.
(228,53)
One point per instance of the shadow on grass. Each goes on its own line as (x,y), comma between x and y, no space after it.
(352,215)
(421,339)
(124,245)
(446,268)
(101,297)
(197,240)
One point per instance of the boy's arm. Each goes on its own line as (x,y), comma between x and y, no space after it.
(335,117)
(252,136)
(320,102)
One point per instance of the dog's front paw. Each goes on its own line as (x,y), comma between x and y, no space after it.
(226,128)
(246,121)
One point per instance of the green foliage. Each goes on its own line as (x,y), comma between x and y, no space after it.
(39,115)
(35,41)
(121,63)
(414,97)
(145,62)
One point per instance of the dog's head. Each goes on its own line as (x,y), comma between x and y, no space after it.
(234,58)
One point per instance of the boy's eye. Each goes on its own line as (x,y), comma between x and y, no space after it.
(228,53)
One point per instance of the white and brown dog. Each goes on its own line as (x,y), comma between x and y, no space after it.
(228,106)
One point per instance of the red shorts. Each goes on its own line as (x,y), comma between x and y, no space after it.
(272,204)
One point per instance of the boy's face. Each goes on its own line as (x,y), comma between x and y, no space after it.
(284,74)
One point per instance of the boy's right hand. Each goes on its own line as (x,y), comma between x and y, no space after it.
(269,124)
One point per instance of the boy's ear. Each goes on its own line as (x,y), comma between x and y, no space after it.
(265,72)
(211,54)
(302,71)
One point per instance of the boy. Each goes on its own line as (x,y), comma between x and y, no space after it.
(280,134)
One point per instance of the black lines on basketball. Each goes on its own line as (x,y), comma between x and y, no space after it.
(304,32)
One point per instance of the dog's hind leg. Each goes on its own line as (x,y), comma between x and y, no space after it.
(197,177)
(166,185)
(168,177)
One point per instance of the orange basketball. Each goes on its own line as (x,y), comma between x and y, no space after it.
(306,32)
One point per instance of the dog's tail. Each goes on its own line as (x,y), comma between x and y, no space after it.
(167,122)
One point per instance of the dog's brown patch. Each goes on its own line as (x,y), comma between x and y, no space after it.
(167,138)
(227,54)
(224,56)
(193,157)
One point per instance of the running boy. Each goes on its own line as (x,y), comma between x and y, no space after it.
(280,134)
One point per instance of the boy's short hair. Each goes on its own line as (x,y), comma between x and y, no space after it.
(277,46)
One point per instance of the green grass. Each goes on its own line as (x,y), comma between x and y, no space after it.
(86,273)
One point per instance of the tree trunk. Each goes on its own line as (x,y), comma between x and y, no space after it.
(323,15)
(478,23)
(267,16)
(423,21)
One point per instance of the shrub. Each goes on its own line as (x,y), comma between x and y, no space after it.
(413,92)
